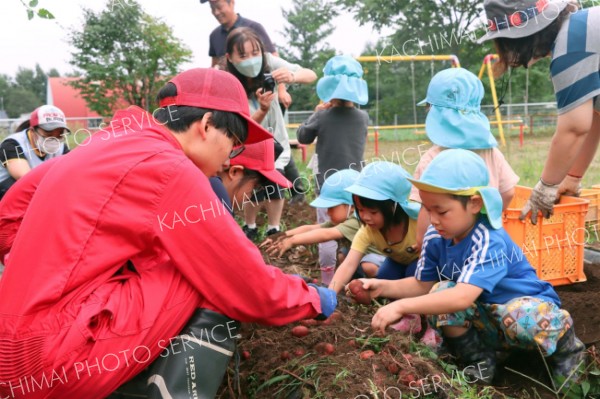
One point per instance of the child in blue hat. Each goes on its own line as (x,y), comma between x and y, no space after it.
(389,223)
(473,281)
(455,120)
(343,225)
(341,129)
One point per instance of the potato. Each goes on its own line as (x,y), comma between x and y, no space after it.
(324,348)
(300,331)
(364,355)
(359,294)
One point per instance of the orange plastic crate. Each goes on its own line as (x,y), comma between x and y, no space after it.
(592,195)
(554,246)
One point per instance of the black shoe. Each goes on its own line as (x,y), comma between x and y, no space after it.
(272,231)
(568,360)
(252,234)
(479,361)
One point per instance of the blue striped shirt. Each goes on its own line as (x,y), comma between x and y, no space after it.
(575,65)
(486,258)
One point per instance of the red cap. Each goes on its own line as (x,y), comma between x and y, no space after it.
(213,89)
(261,158)
(48,117)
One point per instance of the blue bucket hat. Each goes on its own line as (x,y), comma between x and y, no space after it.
(343,79)
(455,119)
(333,192)
(382,181)
(462,172)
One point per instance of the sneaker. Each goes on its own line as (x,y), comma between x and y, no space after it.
(272,231)
(431,338)
(410,323)
(252,234)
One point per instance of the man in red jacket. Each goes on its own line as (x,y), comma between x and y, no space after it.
(115,247)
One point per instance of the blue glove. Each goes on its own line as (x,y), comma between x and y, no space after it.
(328,301)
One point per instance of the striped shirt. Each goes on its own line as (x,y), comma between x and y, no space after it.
(486,258)
(575,65)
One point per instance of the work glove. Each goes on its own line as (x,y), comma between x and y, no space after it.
(542,199)
(570,185)
(328,301)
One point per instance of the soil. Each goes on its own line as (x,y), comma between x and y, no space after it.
(274,363)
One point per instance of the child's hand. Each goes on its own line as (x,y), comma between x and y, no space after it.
(264,99)
(375,286)
(279,247)
(387,315)
(323,106)
(273,239)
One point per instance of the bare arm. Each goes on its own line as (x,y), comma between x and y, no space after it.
(588,151)
(344,272)
(314,236)
(396,289)
(507,196)
(572,131)
(17,168)
(451,300)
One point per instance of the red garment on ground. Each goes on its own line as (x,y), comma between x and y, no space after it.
(76,323)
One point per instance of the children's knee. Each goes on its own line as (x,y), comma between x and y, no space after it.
(370,269)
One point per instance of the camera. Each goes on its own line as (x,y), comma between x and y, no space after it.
(268,83)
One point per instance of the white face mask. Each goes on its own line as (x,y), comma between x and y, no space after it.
(48,145)
(250,67)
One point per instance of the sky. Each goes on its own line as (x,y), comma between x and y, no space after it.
(25,43)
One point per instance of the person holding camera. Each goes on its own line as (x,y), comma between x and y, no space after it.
(259,72)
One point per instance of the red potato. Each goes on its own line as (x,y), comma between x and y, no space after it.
(335,316)
(393,368)
(364,355)
(406,377)
(298,352)
(325,348)
(352,343)
(300,331)
(245,355)
(359,294)
(285,355)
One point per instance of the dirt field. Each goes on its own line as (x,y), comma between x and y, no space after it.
(358,364)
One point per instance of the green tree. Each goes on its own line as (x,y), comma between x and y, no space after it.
(309,23)
(124,54)
(19,101)
(33,81)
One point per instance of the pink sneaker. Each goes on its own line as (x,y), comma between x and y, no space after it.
(409,324)
(431,338)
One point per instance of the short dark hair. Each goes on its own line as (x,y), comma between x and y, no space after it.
(393,214)
(178,118)
(518,52)
(236,40)
(463,199)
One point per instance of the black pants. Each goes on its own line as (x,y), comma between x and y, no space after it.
(291,173)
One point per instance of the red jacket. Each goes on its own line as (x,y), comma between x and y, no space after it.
(112,247)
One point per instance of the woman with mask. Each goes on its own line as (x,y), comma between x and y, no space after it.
(248,61)
(42,140)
